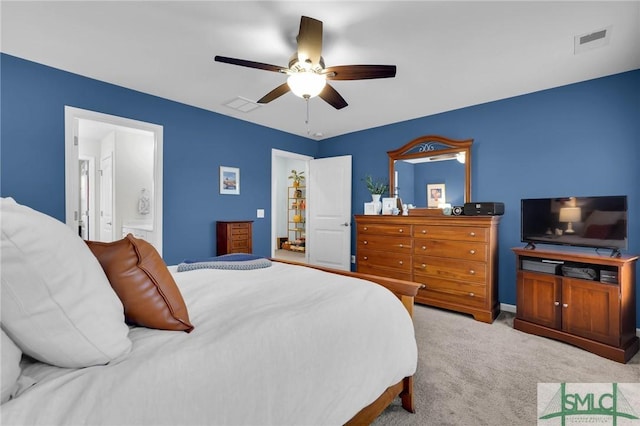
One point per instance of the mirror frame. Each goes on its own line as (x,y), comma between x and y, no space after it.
(433,146)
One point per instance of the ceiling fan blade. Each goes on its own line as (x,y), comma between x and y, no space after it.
(332,97)
(360,72)
(274,94)
(249,64)
(310,40)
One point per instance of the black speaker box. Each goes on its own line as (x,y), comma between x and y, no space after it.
(457,210)
(483,209)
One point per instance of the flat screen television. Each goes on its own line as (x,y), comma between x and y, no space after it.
(597,222)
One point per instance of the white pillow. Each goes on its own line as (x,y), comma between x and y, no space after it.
(57,304)
(11,356)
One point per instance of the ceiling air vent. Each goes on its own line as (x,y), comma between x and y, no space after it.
(242,104)
(592,40)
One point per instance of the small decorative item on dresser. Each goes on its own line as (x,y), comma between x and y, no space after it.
(388,205)
(377,188)
(369,208)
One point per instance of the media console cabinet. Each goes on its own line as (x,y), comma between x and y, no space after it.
(585,300)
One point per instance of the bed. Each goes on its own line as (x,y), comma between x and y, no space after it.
(281,343)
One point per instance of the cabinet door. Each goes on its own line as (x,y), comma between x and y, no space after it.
(538,297)
(591,310)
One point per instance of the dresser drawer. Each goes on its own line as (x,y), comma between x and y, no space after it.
(238,244)
(452,249)
(384,272)
(240,228)
(452,291)
(458,233)
(239,236)
(385,242)
(384,259)
(450,268)
(382,229)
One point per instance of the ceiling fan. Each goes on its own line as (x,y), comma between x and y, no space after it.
(307,73)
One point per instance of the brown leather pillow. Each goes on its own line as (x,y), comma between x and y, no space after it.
(143,283)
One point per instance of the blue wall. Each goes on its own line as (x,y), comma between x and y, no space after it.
(582,139)
(196,143)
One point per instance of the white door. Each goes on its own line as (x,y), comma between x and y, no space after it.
(329,212)
(106,198)
(85,206)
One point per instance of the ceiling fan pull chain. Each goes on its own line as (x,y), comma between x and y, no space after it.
(307,120)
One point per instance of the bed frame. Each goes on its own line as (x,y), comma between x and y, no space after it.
(406,292)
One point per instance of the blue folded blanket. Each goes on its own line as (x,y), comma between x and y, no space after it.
(238,261)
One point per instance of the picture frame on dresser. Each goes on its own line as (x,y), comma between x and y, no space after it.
(229,180)
(369,208)
(388,205)
(435,194)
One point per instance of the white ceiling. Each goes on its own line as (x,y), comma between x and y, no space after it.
(449,54)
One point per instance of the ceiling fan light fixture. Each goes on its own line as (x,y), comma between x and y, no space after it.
(306,84)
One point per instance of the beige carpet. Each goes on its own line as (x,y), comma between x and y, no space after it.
(472,373)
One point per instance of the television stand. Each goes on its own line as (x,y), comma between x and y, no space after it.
(595,311)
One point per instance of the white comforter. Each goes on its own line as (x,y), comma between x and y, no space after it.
(280,345)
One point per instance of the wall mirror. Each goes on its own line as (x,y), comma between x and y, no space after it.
(435,163)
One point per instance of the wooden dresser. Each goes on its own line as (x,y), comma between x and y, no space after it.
(234,237)
(455,257)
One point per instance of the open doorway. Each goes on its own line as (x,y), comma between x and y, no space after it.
(288,204)
(113,177)
(325,231)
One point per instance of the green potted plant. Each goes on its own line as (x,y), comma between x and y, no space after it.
(297,177)
(376,186)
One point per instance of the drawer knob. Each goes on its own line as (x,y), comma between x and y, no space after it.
(400,262)
(472,251)
(472,272)
(365,242)
(401,245)
(365,258)
(365,228)
(473,234)
(424,247)
(424,266)
(564,305)
(556,303)
(472,294)
(401,230)
(424,231)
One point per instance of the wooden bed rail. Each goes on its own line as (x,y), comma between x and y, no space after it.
(405,290)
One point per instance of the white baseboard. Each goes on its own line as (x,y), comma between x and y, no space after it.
(508,308)
(512,308)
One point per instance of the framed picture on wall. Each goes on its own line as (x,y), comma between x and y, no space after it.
(435,195)
(229,180)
